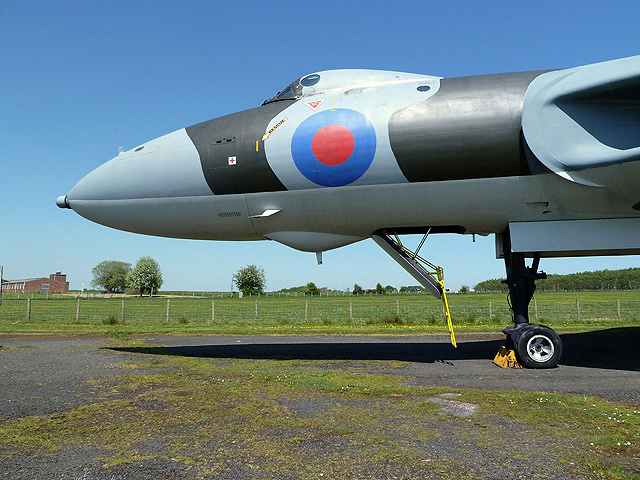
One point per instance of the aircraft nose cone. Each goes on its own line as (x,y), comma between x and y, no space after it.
(61,202)
(168,166)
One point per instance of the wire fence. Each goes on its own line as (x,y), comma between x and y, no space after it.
(269,311)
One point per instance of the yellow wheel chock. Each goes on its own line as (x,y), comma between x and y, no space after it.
(506,359)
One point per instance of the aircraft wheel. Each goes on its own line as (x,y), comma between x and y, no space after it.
(538,346)
(509,343)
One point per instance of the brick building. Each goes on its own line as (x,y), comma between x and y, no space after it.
(56,283)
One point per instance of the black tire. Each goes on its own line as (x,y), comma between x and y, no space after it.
(509,344)
(538,346)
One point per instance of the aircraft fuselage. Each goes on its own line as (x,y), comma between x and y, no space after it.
(355,152)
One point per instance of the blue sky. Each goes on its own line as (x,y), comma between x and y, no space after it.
(80,79)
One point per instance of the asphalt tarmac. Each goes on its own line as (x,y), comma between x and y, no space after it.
(602,363)
(50,374)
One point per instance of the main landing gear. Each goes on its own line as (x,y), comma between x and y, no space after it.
(535,346)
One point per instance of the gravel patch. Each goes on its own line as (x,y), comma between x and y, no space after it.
(306,407)
(454,408)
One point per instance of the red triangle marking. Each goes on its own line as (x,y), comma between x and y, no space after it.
(314,105)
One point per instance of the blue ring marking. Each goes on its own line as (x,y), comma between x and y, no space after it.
(364,149)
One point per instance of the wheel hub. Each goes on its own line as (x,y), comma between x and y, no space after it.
(540,348)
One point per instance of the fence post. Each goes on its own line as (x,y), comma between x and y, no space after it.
(490,312)
(123,311)
(213,311)
(168,309)
(350,311)
(78,312)
(256,310)
(28,309)
(306,310)
(578,308)
(618,305)
(397,308)
(535,308)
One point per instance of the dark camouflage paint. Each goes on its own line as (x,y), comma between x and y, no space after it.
(471,128)
(235,135)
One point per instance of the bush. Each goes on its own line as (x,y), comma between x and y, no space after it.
(110,320)
(388,320)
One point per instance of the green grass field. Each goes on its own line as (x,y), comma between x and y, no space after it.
(565,311)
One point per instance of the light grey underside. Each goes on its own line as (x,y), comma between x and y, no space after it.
(577,237)
(479,205)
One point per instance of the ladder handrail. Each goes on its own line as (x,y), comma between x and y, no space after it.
(437,273)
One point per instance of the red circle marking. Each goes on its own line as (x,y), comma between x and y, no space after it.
(333,144)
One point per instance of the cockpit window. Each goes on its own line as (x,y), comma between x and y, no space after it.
(284,94)
(294,90)
(310,80)
(288,93)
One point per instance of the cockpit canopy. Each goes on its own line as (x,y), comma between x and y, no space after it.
(343,80)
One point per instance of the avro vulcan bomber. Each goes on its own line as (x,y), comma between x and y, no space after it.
(548,161)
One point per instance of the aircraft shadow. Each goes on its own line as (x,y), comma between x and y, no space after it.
(613,348)
(617,348)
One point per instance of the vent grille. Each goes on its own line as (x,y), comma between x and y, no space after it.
(229,214)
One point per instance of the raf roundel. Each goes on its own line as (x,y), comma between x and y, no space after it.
(334,147)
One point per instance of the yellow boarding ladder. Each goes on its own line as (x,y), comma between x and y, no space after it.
(409,261)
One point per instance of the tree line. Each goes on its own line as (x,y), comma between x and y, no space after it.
(146,278)
(625,279)
(118,277)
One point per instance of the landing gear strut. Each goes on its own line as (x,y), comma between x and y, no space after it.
(536,346)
